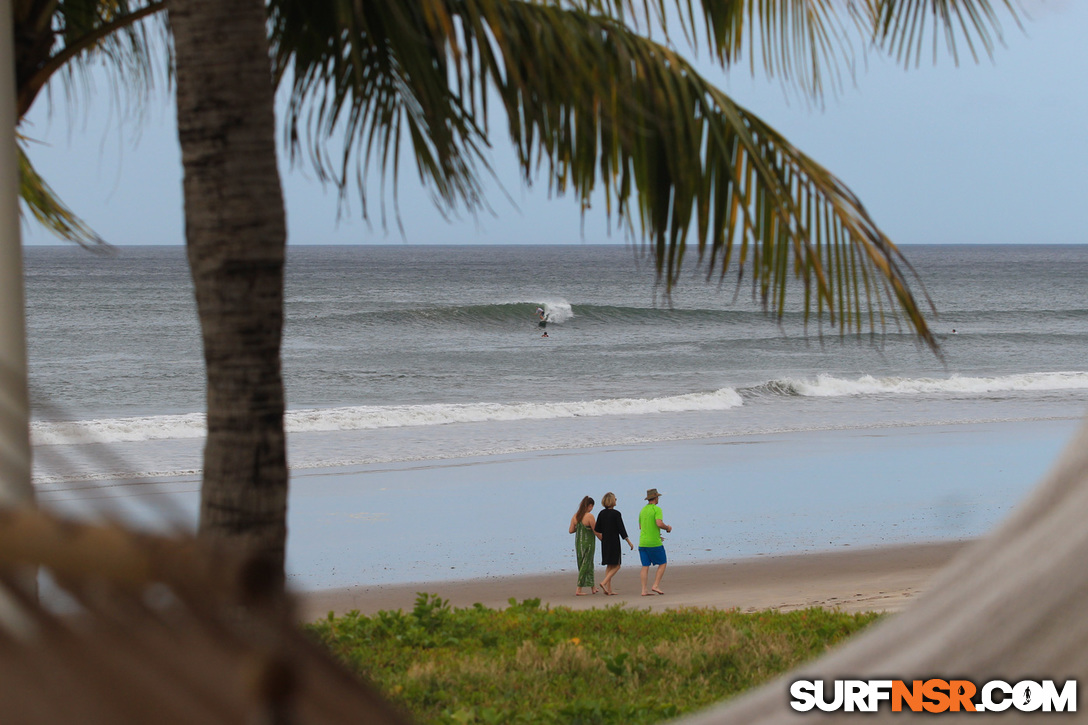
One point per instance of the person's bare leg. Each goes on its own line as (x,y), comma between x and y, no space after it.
(644,575)
(606,583)
(657,579)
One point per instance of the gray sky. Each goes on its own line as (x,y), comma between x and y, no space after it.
(989,153)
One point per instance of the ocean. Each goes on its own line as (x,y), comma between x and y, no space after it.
(434,434)
(413,353)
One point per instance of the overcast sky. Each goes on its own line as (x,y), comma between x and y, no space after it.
(989,153)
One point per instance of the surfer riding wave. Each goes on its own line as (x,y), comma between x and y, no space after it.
(551,313)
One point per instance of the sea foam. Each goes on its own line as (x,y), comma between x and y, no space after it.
(166,427)
(192,425)
(827,386)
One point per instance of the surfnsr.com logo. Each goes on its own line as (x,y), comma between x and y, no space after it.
(933,695)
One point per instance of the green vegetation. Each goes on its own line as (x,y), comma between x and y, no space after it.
(534,664)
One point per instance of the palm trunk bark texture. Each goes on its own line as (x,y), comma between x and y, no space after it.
(235,235)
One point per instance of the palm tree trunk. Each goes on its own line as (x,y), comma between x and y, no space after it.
(16,489)
(15,486)
(235,235)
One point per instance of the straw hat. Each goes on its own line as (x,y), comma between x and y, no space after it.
(651,494)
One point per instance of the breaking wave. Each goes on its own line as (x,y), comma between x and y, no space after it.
(167,427)
(827,386)
(174,427)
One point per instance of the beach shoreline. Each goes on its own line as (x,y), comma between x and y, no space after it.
(728,499)
(485,529)
(882,579)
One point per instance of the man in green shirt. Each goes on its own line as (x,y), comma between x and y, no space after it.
(650,548)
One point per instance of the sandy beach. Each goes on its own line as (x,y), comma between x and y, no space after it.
(857,519)
(883,579)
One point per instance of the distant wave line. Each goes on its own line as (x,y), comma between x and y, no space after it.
(192,425)
(828,386)
(495,313)
(67,483)
(507,313)
(561,310)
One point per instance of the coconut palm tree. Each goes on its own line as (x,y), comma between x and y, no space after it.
(235,234)
(592,103)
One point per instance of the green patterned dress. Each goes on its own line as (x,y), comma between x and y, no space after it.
(585,547)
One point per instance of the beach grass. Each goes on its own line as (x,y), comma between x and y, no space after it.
(529,663)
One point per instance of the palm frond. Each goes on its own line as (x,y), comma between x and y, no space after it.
(66,39)
(905,28)
(602,110)
(807,43)
(371,73)
(690,160)
(810,42)
(45,206)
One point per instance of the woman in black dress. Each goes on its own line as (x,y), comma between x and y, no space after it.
(610,527)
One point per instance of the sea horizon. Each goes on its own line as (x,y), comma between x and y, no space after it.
(402,353)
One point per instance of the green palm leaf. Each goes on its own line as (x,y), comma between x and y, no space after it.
(599,109)
(799,41)
(378,71)
(65,38)
(905,27)
(804,41)
(44,205)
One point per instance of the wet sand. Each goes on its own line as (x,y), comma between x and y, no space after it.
(839,518)
(734,498)
(883,579)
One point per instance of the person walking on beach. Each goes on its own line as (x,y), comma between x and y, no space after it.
(611,530)
(650,547)
(585,544)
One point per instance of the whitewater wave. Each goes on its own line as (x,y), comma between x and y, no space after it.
(118,430)
(167,427)
(557,310)
(192,425)
(827,386)
(57,483)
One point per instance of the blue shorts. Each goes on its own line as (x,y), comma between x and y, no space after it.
(652,555)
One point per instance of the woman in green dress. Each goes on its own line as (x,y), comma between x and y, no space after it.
(585,544)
